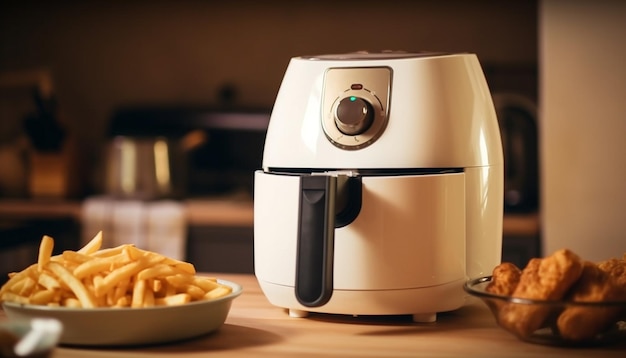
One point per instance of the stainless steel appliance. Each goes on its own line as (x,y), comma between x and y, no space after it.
(381,186)
(176,151)
(517,116)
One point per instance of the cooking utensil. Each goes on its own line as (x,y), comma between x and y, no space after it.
(145,168)
(43,127)
(147,153)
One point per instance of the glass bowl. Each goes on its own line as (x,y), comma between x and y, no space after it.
(560,323)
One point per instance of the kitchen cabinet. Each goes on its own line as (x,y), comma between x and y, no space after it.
(19,240)
(519,249)
(221,248)
(220,235)
(521,238)
(23,222)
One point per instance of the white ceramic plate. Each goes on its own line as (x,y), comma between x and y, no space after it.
(132,326)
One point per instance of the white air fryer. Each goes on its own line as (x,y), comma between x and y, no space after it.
(381,190)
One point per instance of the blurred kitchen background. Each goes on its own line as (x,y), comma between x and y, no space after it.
(86,87)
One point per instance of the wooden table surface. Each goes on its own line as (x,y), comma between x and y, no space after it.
(255,328)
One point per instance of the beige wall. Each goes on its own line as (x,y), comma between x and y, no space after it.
(583,126)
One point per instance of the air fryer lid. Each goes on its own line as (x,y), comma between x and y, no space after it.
(422,110)
(366,55)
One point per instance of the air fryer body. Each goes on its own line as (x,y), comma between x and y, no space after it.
(422,157)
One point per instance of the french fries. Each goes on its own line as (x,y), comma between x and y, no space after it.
(93,277)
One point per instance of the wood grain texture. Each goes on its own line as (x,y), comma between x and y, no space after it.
(255,328)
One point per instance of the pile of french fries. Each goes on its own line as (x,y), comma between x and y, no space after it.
(123,276)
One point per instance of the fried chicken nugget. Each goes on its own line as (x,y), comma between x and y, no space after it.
(583,323)
(504,279)
(616,268)
(542,279)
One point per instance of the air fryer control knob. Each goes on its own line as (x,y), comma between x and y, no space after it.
(354,115)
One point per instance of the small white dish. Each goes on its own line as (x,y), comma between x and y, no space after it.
(29,338)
